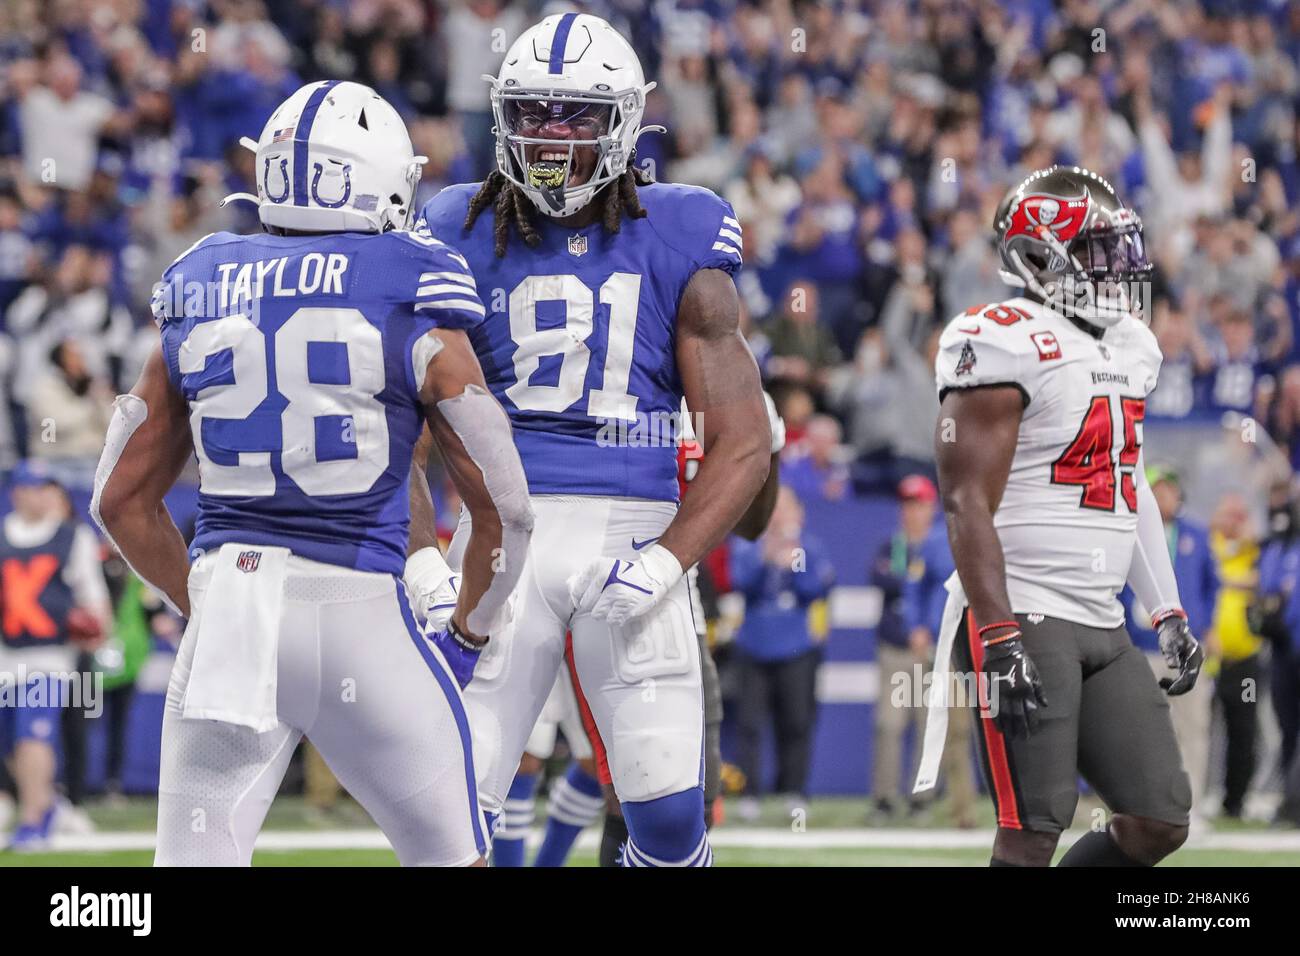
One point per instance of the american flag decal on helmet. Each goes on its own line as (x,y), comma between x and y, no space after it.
(248,561)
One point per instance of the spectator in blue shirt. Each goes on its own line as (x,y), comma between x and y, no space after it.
(910,570)
(1275,615)
(1198,587)
(784,576)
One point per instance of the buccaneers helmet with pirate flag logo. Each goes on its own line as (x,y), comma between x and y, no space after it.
(1065,236)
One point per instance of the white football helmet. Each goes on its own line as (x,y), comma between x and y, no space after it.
(334,157)
(572,73)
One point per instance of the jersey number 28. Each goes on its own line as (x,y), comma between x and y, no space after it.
(350,406)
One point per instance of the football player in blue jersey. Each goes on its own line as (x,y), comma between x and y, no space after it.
(300,366)
(610,298)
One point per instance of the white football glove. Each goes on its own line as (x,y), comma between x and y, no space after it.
(433,587)
(617,591)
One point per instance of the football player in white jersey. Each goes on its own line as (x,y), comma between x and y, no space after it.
(1039,448)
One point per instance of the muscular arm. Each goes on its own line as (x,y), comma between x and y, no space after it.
(424,524)
(754,521)
(723,391)
(461,412)
(983,424)
(129,503)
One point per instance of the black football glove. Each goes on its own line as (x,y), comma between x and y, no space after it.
(1181,652)
(1015,690)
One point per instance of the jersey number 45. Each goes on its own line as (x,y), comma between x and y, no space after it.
(1087,460)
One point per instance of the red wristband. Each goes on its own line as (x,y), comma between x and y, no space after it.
(989,627)
(1172,612)
(1011,636)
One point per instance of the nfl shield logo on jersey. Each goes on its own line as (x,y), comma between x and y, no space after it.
(578,245)
(248,561)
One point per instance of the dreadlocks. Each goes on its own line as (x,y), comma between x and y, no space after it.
(510,204)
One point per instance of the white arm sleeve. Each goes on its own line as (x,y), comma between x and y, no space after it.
(85,573)
(482,427)
(1151,575)
(129,413)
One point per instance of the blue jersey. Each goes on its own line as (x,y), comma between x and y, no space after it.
(580,336)
(300,358)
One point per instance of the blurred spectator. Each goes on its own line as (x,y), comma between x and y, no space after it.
(60,123)
(69,408)
(1275,616)
(889,398)
(121,657)
(1198,584)
(910,570)
(55,602)
(1185,185)
(1237,648)
(822,244)
(803,351)
(762,198)
(784,578)
(476,34)
(814,469)
(1186,361)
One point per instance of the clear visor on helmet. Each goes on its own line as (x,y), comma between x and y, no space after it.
(576,120)
(1117,253)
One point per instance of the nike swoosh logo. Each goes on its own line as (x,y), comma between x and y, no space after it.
(975,331)
(638,545)
(615,579)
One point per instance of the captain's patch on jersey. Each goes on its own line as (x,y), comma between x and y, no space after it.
(965,361)
(1048,347)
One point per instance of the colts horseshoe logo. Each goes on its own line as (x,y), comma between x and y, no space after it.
(347,187)
(266,180)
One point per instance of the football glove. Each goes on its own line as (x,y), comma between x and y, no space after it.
(1015,690)
(433,588)
(1181,652)
(617,591)
(460,653)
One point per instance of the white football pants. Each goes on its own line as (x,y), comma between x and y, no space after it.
(639,684)
(356,677)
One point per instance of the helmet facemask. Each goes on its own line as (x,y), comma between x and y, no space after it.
(561,148)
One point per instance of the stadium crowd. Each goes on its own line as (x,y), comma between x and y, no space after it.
(863,145)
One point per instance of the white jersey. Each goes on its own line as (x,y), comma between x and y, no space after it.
(1068,516)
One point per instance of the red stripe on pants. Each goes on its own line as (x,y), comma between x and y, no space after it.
(995,746)
(588,721)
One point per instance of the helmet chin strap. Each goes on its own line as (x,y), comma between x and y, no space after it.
(249,144)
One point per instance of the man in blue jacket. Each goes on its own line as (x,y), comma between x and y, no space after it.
(782,576)
(1276,615)
(910,570)
(1198,583)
